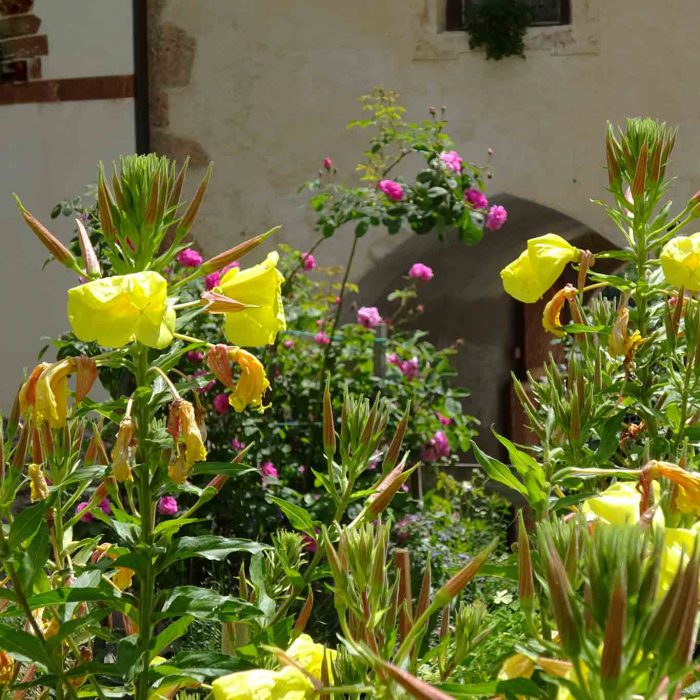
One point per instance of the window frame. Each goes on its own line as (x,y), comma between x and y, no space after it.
(454,13)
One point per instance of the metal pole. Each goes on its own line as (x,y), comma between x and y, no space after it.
(380,337)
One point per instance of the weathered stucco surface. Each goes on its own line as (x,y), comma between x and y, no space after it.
(272,84)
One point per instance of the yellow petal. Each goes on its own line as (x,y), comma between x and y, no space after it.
(516,666)
(680,261)
(309,654)
(619,504)
(551,318)
(263,684)
(118,310)
(252,383)
(537,269)
(52,393)
(260,287)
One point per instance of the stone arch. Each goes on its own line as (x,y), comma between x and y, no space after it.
(466,300)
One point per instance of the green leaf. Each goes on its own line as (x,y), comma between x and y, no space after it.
(26,524)
(498,471)
(212,547)
(26,647)
(200,666)
(222,468)
(297,516)
(529,469)
(173,631)
(205,604)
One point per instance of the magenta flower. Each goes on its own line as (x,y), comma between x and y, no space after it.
(267,471)
(368,316)
(230,266)
(327,163)
(221,404)
(237,445)
(452,160)
(194,356)
(308,261)
(167,505)
(302,469)
(391,189)
(105,506)
(212,280)
(189,258)
(436,448)
(419,271)
(322,339)
(444,420)
(496,217)
(87,517)
(393,359)
(409,368)
(309,543)
(476,198)
(337,301)
(289,343)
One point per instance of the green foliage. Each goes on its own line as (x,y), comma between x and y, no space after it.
(499,26)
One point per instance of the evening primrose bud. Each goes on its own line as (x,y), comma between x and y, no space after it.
(559,595)
(236,253)
(190,214)
(329,440)
(85,376)
(51,243)
(611,658)
(526,585)
(92,264)
(123,451)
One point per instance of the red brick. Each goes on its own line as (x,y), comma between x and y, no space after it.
(20,25)
(15,7)
(24,47)
(109,87)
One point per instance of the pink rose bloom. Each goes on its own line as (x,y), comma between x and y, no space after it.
(189,258)
(321,339)
(86,517)
(302,469)
(267,471)
(368,316)
(476,198)
(167,505)
(288,343)
(327,163)
(308,261)
(237,445)
(105,506)
(444,420)
(496,217)
(221,404)
(212,280)
(452,160)
(436,448)
(419,271)
(391,189)
(410,368)
(194,356)
(393,359)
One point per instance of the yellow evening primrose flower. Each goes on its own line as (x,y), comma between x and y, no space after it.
(38,488)
(252,383)
(115,311)
(51,393)
(309,655)
(260,287)
(551,318)
(263,684)
(189,444)
(686,498)
(619,504)
(27,393)
(680,261)
(538,267)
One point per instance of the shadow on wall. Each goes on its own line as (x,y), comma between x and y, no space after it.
(466,300)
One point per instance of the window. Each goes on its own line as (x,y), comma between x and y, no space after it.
(546,13)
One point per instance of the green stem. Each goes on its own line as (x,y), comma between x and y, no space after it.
(684,402)
(147,588)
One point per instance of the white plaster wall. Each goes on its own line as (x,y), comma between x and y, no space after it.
(274,82)
(49,152)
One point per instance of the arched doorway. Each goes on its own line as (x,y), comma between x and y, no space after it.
(466,300)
